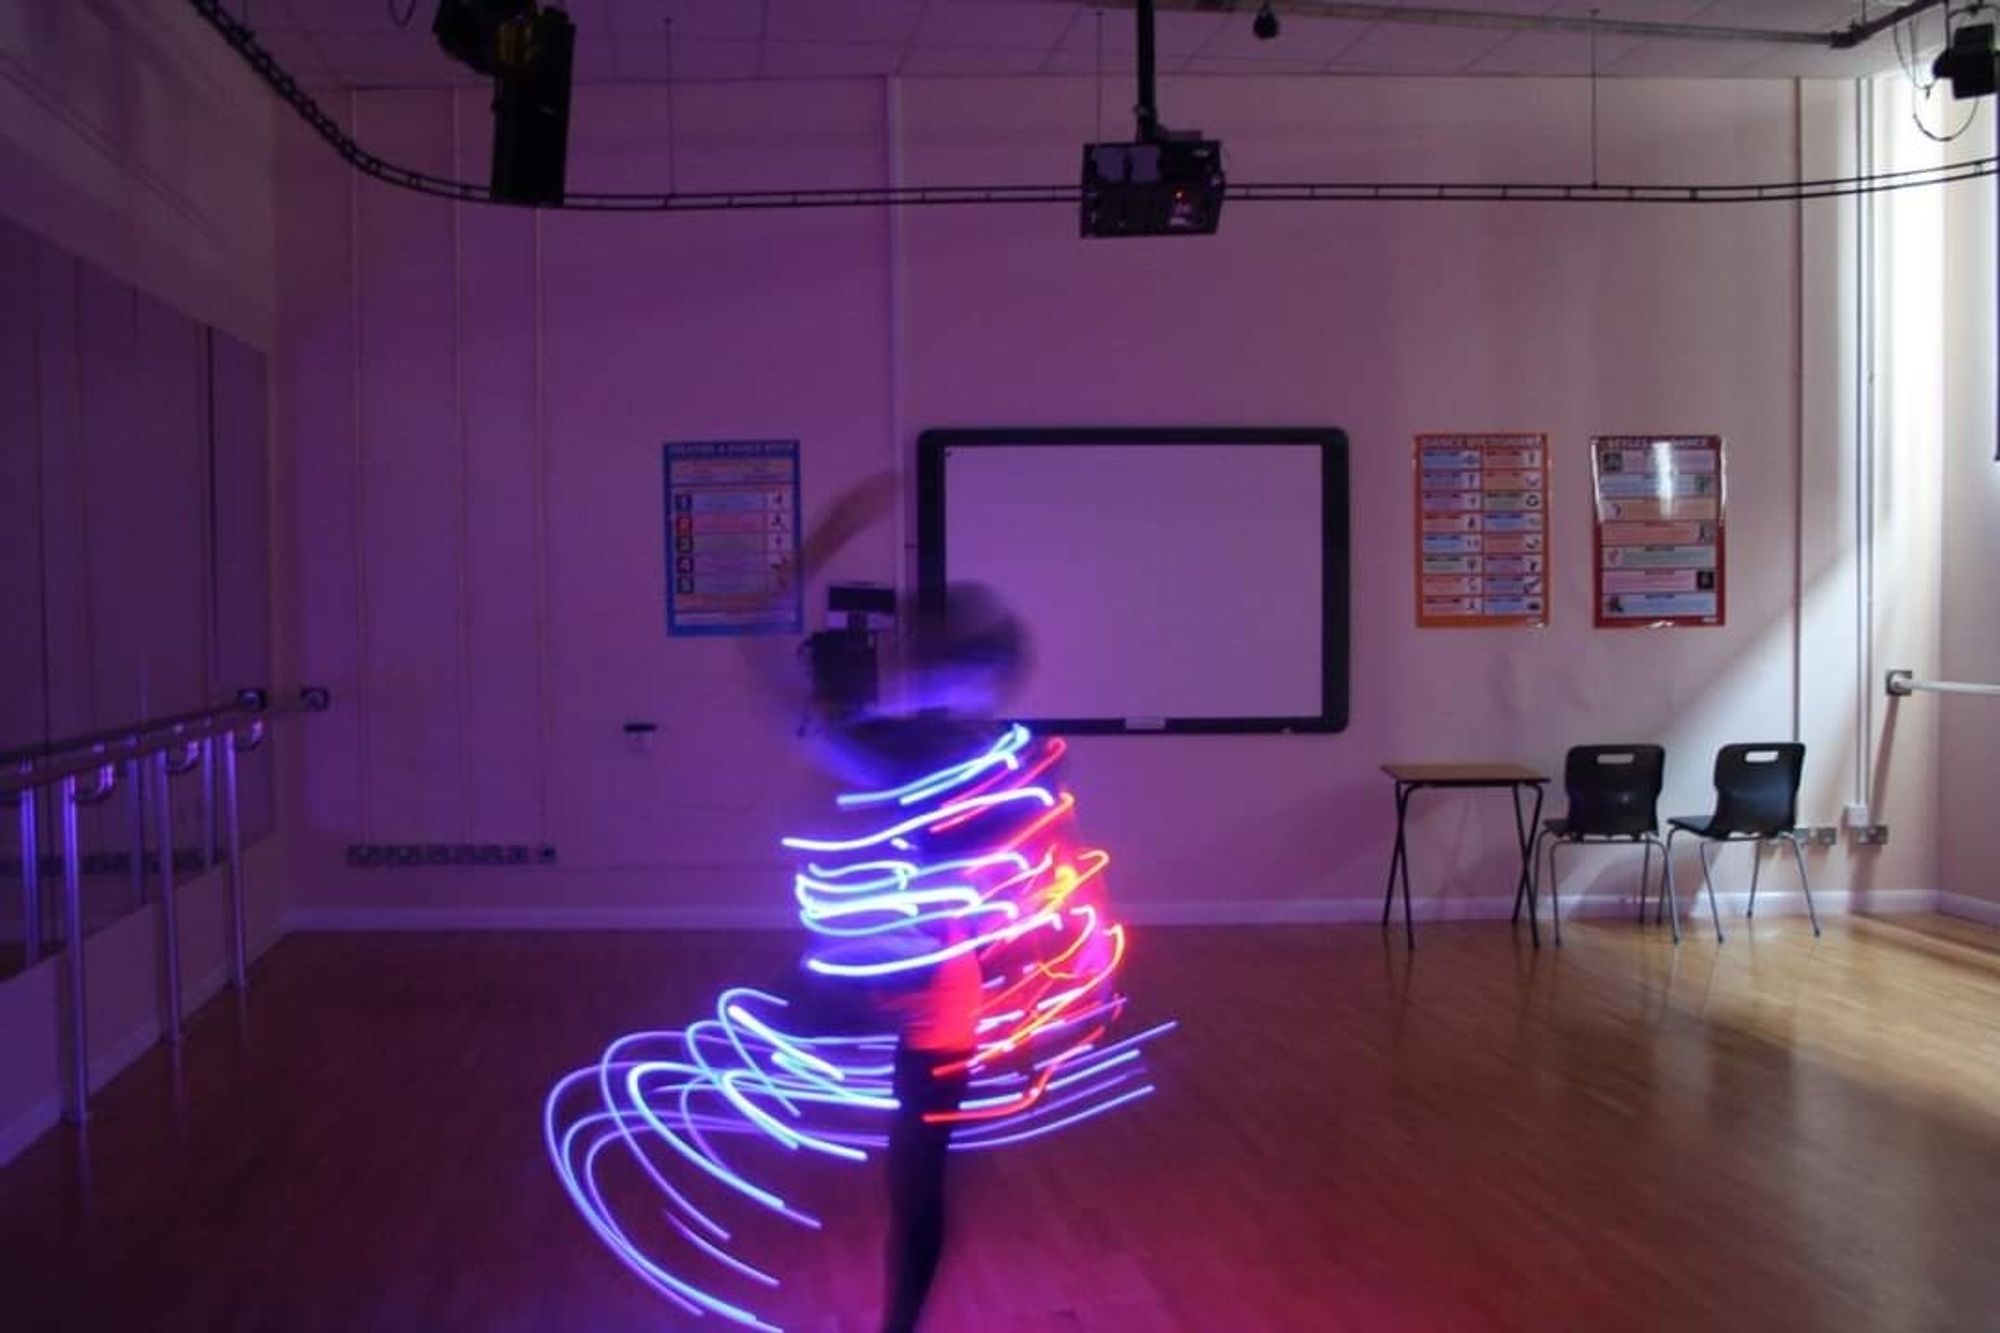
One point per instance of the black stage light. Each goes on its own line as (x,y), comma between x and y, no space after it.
(469,30)
(1968,62)
(530,50)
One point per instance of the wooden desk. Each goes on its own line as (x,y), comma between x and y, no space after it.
(1411,778)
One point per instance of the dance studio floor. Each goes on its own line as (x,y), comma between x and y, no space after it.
(1780,1133)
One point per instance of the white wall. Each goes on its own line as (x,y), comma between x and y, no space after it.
(1969,835)
(475,402)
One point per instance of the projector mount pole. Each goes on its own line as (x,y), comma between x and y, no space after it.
(1148,110)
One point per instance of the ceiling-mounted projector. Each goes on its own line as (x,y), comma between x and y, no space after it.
(1162,187)
(1162,183)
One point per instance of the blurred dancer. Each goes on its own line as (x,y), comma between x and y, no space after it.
(964,653)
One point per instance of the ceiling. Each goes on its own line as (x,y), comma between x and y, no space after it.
(358,43)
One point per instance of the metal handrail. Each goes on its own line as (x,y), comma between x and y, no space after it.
(1904,683)
(248,701)
(48,762)
(159,750)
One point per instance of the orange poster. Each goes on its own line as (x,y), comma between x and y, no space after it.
(1482,530)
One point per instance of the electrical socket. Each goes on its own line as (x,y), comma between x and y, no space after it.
(1818,835)
(1871,835)
(374,855)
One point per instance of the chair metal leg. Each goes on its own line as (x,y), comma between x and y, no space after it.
(1667,854)
(1756,864)
(1667,888)
(1660,912)
(1708,878)
(1799,859)
(1534,876)
(1555,904)
(1645,873)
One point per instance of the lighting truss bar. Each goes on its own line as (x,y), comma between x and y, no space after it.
(1860,32)
(288,90)
(1445,17)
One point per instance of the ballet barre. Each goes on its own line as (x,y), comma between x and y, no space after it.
(1904,683)
(85,770)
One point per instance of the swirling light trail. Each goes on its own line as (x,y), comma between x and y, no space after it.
(979,860)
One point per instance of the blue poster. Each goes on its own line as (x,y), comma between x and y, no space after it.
(732,525)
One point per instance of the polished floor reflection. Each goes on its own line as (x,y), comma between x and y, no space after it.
(1780,1133)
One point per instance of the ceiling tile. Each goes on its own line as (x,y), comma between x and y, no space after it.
(1416,48)
(1026,25)
(1116,65)
(262,16)
(689,60)
(1675,58)
(595,60)
(297,53)
(1299,40)
(853,21)
(946,61)
(1177,33)
(376,16)
(390,60)
(1552,54)
(816,60)
(691,18)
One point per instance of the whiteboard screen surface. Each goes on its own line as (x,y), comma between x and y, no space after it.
(1179,581)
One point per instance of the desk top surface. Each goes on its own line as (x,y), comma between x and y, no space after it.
(1464,775)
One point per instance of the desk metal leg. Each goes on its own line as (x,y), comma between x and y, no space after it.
(1524,891)
(1399,864)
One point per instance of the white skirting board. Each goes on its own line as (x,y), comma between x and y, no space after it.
(1983,910)
(447,919)
(108,1062)
(1300,911)
(105,1065)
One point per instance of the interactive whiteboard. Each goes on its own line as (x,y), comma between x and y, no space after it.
(1177,580)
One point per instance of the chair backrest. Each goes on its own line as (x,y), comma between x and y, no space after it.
(1614,790)
(1757,788)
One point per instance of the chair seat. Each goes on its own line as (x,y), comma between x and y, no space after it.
(1559,827)
(1703,826)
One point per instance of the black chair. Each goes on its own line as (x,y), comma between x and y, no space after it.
(1614,796)
(1756,800)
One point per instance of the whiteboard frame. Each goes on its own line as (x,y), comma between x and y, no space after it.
(933,447)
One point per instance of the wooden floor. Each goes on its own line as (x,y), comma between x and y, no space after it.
(1779,1133)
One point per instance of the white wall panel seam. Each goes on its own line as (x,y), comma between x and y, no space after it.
(360,452)
(465,659)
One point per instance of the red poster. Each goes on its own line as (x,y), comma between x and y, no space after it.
(1661,525)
